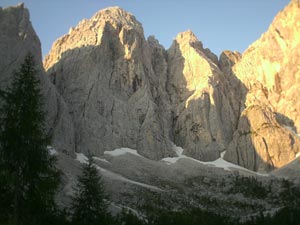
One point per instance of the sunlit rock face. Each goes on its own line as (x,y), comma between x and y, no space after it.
(270,67)
(227,60)
(270,71)
(17,39)
(203,119)
(260,143)
(104,70)
(122,90)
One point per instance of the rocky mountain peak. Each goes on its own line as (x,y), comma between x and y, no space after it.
(118,17)
(17,39)
(119,90)
(269,70)
(186,36)
(269,67)
(16,31)
(228,59)
(188,39)
(113,21)
(17,18)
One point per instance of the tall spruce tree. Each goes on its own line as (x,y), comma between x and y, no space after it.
(88,204)
(28,175)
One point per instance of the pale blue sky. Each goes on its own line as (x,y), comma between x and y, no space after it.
(219,24)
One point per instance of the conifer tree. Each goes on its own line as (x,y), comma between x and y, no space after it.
(28,171)
(89,206)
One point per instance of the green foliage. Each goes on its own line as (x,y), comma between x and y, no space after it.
(28,175)
(88,205)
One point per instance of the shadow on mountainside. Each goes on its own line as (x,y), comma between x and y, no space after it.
(214,118)
(109,96)
(110,104)
(204,119)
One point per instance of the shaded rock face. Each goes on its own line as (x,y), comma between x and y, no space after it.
(260,143)
(17,38)
(270,71)
(124,91)
(103,69)
(120,90)
(227,60)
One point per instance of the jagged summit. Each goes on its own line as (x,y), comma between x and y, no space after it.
(17,38)
(124,91)
(19,5)
(186,36)
(15,20)
(118,16)
(17,14)
(115,15)
(190,39)
(113,90)
(89,32)
(269,70)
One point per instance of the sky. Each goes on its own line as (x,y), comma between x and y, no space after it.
(218,24)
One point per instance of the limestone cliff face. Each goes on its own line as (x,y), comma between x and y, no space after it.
(227,60)
(261,143)
(202,114)
(124,91)
(270,71)
(120,90)
(270,66)
(17,38)
(103,69)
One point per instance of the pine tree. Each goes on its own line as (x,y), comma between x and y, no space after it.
(88,204)
(27,169)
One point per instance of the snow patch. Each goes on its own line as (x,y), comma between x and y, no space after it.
(292,130)
(219,163)
(179,152)
(101,159)
(51,150)
(222,154)
(119,177)
(289,128)
(82,158)
(171,160)
(122,151)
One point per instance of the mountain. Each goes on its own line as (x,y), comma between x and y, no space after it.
(266,137)
(181,125)
(111,88)
(110,91)
(17,38)
(126,91)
